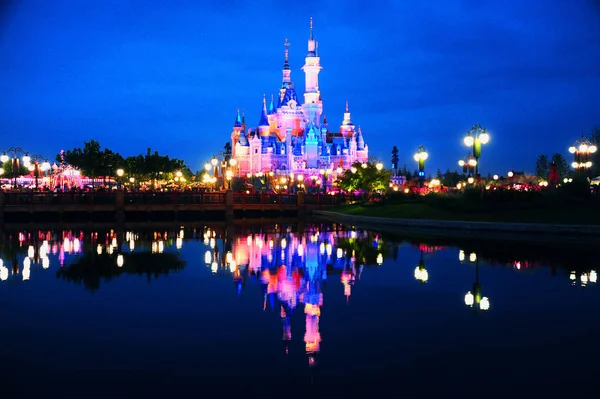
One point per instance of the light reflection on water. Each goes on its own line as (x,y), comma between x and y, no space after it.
(292,269)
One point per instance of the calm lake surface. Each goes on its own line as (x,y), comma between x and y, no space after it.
(282,310)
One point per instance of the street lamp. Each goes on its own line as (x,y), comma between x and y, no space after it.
(582,152)
(475,138)
(15,161)
(379,166)
(36,167)
(474,299)
(120,173)
(420,156)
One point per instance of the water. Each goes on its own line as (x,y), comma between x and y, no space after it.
(210,310)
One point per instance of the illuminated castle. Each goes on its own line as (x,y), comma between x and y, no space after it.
(293,136)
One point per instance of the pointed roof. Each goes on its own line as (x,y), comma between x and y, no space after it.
(264,120)
(238,120)
(286,63)
(360,141)
(272,106)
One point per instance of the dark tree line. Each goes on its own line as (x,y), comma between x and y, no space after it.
(93,161)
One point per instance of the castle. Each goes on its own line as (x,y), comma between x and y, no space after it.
(293,137)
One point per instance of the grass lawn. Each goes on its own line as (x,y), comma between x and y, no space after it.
(571,215)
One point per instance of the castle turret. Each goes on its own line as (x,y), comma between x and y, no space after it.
(360,141)
(263,124)
(347,127)
(312,66)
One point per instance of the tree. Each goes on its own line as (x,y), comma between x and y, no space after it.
(542,167)
(8,169)
(368,180)
(562,166)
(395,159)
(92,160)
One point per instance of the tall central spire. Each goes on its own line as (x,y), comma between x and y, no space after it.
(311,41)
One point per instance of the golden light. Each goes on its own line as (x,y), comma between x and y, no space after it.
(461,255)
(406,191)
(583,148)
(572,149)
(380,258)
(379,166)
(592,149)
(228,257)
(472,257)
(459,186)
(207,257)
(470,180)
(45,262)
(496,177)
(1,171)
(214,161)
(30,167)
(300,177)
(434,182)
(233,162)
(120,172)
(214,267)
(232,266)
(120,260)
(468,140)
(364,165)
(461,163)
(472,162)
(131,179)
(99,249)
(353,169)
(575,165)
(511,173)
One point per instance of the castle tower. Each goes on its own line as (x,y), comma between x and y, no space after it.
(263,124)
(286,71)
(313,106)
(237,128)
(347,127)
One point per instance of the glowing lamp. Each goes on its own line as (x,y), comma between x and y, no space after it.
(461,163)
(582,148)
(120,172)
(470,180)
(575,165)
(468,141)
(233,162)
(120,260)
(379,166)
(1,171)
(26,159)
(484,138)
(484,304)
(339,169)
(469,299)
(511,173)
(592,149)
(4,157)
(31,167)
(353,169)
(472,257)
(459,186)
(496,177)
(572,149)
(214,161)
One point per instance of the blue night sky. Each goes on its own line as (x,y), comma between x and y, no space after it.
(170,76)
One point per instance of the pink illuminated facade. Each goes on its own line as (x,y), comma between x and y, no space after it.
(292,135)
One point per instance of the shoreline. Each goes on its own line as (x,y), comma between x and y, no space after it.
(575,234)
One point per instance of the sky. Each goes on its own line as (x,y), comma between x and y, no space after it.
(171,74)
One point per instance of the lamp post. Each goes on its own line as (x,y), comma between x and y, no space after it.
(582,152)
(38,168)
(474,299)
(15,161)
(120,173)
(420,156)
(474,139)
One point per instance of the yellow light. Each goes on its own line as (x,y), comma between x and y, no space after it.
(417,157)
(207,257)
(583,148)
(364,165)
(472,257)
(593,276)
(379,166)
(228,257)
(214,267)
(120,260)
(406,191)
(468,141)
(232,266)
(470,180)
(510,173)
(131,245)
(379,258)
(574,164)
(233,162)
(300,249)
(461,163)
(572,149)
(459,186)
(461,255)
(120,172)
(45,262)
(300,177)
(496,177)
(353,169)
(214,161)
(99,249)
(592,149)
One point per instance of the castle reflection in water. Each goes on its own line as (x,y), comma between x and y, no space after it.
(290,266)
